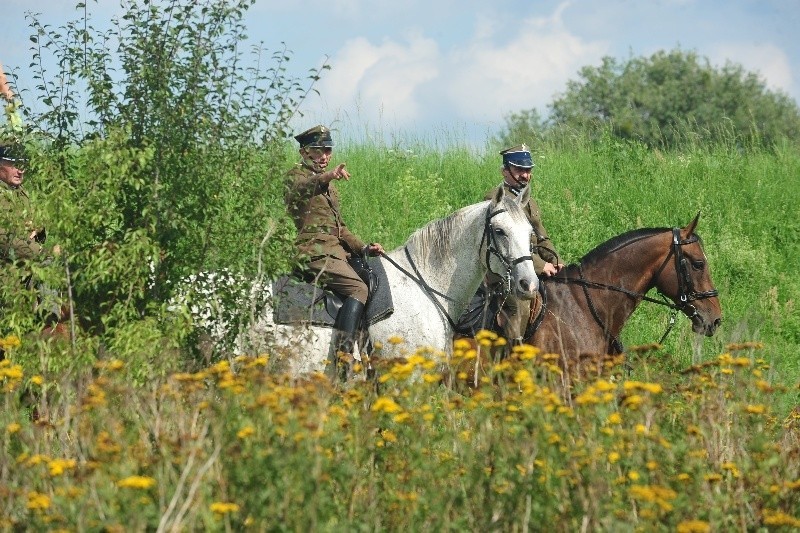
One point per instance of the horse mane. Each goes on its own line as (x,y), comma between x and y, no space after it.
(620,241)
(434,240)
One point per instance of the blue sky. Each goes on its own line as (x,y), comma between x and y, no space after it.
(459,67)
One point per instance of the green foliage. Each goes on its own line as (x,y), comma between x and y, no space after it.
(159,152)
(197,136)
(670,99)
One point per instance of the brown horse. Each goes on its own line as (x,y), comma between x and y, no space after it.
(584,308)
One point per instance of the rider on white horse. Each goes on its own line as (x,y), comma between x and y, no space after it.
(323,240)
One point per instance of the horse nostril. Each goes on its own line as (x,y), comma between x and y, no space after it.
(717,322)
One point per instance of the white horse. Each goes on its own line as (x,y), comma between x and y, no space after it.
(432,278)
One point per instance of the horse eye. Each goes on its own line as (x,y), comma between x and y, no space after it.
(500,232)
(698,265)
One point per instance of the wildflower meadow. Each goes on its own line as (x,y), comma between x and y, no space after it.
(132,429)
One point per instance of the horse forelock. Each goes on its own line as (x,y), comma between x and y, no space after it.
(620,241)
(514,210)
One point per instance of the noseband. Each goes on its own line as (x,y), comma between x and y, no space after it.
(492,250)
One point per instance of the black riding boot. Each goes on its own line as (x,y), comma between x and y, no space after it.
(346,327)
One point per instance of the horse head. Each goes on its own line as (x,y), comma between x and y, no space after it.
(508,243)
(685,279)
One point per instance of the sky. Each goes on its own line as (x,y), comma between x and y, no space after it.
(458,68)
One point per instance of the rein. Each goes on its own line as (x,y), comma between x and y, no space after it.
(686,292)
(491,249)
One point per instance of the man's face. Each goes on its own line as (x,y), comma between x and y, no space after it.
(516,176)
(10,174)
(320,156)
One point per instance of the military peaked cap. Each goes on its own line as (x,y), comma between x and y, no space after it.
(518,156)
(316,137)
(11,153)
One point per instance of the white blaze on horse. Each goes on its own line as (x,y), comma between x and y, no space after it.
(432,277)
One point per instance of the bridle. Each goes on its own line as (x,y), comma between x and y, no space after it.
(490,240)
(491,250)
(686,290)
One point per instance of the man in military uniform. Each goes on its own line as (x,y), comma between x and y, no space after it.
(20,240)
(323,239)
(514,313)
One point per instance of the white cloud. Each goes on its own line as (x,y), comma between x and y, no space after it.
(383,78)
(499,68)
(490,80)
(768,60)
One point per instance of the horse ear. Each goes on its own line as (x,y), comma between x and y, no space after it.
(498,195)
(524,195)
(692,225)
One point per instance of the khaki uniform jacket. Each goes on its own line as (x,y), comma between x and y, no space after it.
(540,243)
(314,207)
(16,225)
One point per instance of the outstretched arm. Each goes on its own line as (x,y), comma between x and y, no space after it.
(5,88)
(11,106)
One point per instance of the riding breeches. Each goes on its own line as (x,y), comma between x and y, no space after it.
(337,275)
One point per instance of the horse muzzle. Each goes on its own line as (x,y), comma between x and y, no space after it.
(526,288)
(704,326)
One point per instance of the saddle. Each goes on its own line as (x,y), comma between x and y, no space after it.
(297,299)
(483,311)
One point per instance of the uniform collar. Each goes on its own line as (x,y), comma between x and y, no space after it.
(512,189)
(310,165)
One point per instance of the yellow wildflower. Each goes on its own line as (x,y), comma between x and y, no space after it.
(12,428)
(633,401)
(694,526)
(57,466)
(245,432)
(10,341)
(224,507)
(779,518)
(614,418)
(400,418)
(758,409)
(37,380)
(37,500)
(461,344)
(137,482)
(386,405)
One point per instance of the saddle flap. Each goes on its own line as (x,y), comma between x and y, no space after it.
(297,301)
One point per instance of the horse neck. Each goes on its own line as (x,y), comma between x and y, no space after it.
(447,255)
(632,267)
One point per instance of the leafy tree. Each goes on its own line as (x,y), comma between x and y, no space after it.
(525,126)
(667,99)
(164,149)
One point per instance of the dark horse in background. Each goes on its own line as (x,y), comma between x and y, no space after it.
(583,309)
